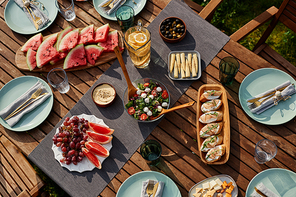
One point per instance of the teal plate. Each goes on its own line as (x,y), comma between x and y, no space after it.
(281,181)
(133,185)
(18,21)
(138,7)
(14,89)
(260,81)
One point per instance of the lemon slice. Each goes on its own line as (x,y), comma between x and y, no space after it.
(140,38)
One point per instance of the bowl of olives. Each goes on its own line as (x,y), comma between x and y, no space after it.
(172,29)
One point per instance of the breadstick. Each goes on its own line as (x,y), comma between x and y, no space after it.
(178,62)
(189,56)
(176,73)
(183,63)
(194,73)
(182,73)
(172,62)
(195,61)
(187,69)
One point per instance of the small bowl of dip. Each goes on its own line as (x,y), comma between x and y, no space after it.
(103,94)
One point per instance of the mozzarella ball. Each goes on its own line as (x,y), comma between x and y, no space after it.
(151,96)
(147,90)
(139,92)
(147,100)
(146,109)
(143,95)
(164,104)
(159,108)
(158,89)
(149,113)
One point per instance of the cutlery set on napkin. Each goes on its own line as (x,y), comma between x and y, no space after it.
(110,6)
(270,98)
(152,188)
(33,13)
(13,112)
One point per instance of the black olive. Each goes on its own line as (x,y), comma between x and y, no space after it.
(170,36)
(168,20)
(166,35)
(182,26)
(167,32)
(162,27)
(167,27)
(178,30)
(169,23)
(174,29)
(162,32)
(182,30)
(177,20)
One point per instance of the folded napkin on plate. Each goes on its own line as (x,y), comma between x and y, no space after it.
(109,9)
(20,100)
(36,11)
(158,191)
(270,102)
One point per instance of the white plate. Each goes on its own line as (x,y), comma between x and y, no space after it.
(138,7)
(171,74)
(85,164)
(222,177)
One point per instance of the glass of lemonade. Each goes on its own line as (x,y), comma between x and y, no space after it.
(138,43)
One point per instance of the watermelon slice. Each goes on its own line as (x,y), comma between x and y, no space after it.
(101,33)
(33,43)
(97,149)
(86,35)
(46,52)
(31,59)
(61,56)
(92,158)
(76,57)
(69,41)
(98,128)
(93,52)
(100,138)
(111,43)
(62,34)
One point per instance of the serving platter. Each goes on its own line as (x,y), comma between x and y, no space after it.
(20,58)
(225,132)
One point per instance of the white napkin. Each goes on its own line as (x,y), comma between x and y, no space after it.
(158,191)
(270,102)
(36,11)
(116,5)
(19,101)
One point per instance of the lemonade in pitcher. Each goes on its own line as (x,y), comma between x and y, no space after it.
(138,43)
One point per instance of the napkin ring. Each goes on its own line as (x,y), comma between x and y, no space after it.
(35,2)
(279,97)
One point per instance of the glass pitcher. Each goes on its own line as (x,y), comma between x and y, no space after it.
(137,40)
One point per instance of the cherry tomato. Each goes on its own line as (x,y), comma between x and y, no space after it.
(135,95)
(143,117)
(131,111)
(165,94)
(155,88)
(154,93)
(146,84)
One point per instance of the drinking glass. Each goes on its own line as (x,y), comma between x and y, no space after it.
(265,150)
(125,17)
(58,79)
(68,11)
(151,151)
(138,43)
(228,67)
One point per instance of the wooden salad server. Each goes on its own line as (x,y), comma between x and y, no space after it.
(130,87)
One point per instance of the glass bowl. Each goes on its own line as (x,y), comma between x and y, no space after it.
(135,83)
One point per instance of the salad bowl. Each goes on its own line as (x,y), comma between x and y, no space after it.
(136,113)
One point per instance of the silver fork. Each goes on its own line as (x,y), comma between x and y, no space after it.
(258,103)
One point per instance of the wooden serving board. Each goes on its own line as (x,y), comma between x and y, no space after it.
(225,132)
(20,58)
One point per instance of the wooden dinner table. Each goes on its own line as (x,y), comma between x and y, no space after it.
(176,132)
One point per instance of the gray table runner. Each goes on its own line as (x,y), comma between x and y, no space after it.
(129,134)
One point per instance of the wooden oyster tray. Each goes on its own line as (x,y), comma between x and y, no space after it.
(20,58)
(225,132)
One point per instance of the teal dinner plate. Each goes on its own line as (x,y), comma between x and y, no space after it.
(133,185)
(280,181)
(18,21)
(260,81)
(14,89)
(138,7)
